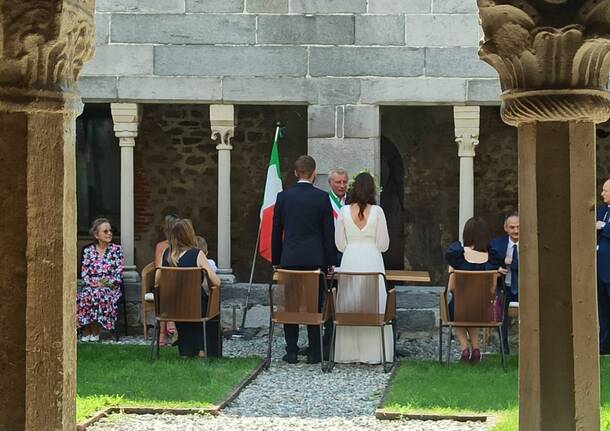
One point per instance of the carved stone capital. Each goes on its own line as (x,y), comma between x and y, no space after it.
(126,121)
(466,120)
(467,145)
(222,123)
(45,43)
(553,57)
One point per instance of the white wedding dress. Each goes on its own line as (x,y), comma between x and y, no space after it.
(361,253)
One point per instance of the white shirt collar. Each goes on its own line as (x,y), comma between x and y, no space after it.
(511,243)
(304,181)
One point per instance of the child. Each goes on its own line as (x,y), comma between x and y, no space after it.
(203,246)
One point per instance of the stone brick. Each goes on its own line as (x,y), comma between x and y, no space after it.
(415,320)
(399,6)
(454,6)
(352,154)
(215,5)
(380,30)
(320,121)
(230,61)
(299,29)
(484,91)
(140,6)
(184,29)
(121,60)
(340,121)
(266,90)
(236,294)
(366,61)
(361,121)
(102,28)
(442,30)
(400,91)
(174,89)
(96,88)
(332,91)
(267,6)
(327,6)
(456,62)
(417,296)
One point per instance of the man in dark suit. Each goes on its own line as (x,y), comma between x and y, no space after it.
(504,252)
(303,237)
(603,270)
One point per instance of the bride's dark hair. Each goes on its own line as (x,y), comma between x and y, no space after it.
(362,192)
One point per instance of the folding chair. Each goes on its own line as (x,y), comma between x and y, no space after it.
(474,296)
(363,288)
(295,299)
(178,299)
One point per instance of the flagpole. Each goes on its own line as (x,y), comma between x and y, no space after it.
(258,238)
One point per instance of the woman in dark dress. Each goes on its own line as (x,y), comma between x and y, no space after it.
(473,256)
(183,253)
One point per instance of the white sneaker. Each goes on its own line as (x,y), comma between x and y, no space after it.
(94,338)
(85,338)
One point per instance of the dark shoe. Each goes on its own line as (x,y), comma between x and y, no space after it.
(475,357)
(314,359)
(303,351)
(290,357)
(465,356)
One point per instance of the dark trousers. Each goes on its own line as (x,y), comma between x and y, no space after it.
(603,306)
(291,332)
(508,298)
(190,335)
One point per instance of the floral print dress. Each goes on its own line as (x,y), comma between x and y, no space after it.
(99,304)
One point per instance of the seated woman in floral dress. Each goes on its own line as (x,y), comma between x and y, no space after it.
(102,274)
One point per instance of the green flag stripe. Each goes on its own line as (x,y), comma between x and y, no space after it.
(275,157)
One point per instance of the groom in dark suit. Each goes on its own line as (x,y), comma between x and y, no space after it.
(602,226)
(504,254)
(303,238)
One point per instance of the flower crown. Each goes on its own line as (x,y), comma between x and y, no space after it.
(350,186)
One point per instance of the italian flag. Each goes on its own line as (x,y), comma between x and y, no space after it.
(335,202)
(272,187)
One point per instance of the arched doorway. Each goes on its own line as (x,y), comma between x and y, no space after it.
(392,202)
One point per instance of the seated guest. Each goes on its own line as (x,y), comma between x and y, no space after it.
(168,329)
(183,253)
(102,274)
(202,245)
(473,256)
(504,254)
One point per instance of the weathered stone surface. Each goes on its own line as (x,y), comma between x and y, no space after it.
(299,29)
(215,6)
(352,154)
(387,90)
(170,89)
(399,6)
(326,6)
(340,113)
(484,91)
(454,6)
(416,320)
(366,61)
(93,88)
(184,29)
(442,30)
(121,60)
(267,6)
(456,62)
(418,297)
(266,90)
(361,121)
(140,6)
(236,294)
(380,30)
(102,28)
(320,121)
(329,91)
(257,317)
(217,60)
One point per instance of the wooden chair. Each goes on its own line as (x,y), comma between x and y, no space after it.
(178,299)
(147,295)
(366,313)
(474,296)
(295,299)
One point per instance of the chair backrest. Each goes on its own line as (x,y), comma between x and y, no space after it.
(296,295)
(148,279)
(178,294)
(357,298)
(474,294)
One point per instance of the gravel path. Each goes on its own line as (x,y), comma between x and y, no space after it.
(297,397)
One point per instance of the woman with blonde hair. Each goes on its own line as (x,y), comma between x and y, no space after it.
(168,329)
(183,253)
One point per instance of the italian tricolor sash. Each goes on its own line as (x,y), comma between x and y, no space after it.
(335,203)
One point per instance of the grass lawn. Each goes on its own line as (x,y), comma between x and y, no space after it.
(112,375)
(433,388)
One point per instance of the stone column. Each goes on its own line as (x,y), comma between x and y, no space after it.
(222,122)
(43,45)
(553,66)
(466,120)
(126,119)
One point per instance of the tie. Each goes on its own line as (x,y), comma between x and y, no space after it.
(514,271)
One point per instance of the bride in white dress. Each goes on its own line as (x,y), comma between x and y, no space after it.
(361,234)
